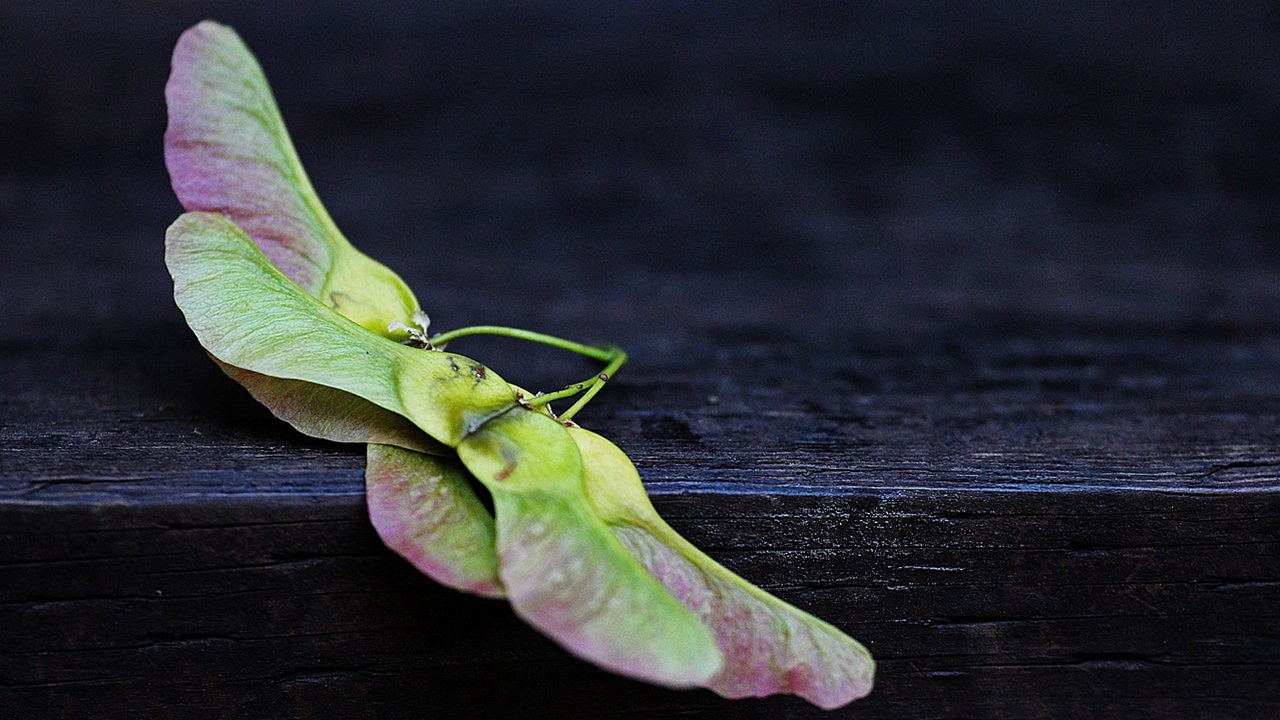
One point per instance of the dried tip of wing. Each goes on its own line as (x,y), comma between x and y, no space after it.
(425,510)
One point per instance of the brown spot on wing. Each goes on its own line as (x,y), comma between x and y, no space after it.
(505,472)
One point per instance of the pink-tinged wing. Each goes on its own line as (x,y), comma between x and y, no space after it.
(228,152)
(769,646)
(424,509)
(331,414)
(564,571)
(420,497)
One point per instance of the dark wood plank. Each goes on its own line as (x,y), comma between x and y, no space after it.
(962,331)
(285,605)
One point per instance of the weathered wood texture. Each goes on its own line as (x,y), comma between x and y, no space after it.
(961,330)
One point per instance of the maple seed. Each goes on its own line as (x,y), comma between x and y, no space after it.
(317,331)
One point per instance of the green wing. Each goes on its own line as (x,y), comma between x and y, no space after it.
(769,646)
(249,315)
(565,573)
(228,152)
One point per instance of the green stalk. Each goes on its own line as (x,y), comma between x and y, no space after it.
(596,385)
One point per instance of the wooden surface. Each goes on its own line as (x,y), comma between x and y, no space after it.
(961,330)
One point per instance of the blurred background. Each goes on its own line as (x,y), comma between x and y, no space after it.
(859,167)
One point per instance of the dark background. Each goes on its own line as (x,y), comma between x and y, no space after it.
(955,322)
(897,167)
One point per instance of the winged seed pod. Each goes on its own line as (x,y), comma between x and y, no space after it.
(317,332)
